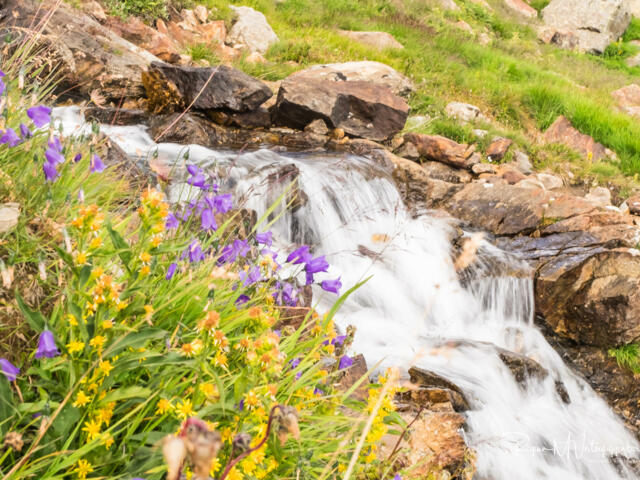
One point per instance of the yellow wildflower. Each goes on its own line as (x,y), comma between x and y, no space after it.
(72,320)
(98,341)
(96,242)
(145,270)
(107,324)
(81,399)
(215,466)
(234,474)
(83,469)
(105,367)
(120,305)
(209,390)
(105,414)
(108,440)
(156,240)
(248,466)
(145,257)
(163,406)
(210,322)
(192,348)
(185,409)
(148,310)
(251,400)
(81,258)
(92,428)
(220,360)
(75,346)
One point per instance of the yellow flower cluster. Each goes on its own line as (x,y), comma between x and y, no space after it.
(388,386)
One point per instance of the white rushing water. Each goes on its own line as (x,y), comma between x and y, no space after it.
(414,310)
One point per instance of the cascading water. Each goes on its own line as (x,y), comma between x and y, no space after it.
(415,310)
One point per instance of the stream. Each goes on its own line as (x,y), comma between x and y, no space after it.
(415,309)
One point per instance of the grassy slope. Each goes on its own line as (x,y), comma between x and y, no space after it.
(521,84)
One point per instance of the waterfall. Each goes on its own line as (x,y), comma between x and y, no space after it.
(415,309)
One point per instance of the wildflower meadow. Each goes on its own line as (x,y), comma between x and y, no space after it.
(124,316)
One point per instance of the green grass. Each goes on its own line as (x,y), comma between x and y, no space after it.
(627,356)
(202,51)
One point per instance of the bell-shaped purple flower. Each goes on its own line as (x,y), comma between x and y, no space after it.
(54,156)
(317,265)
(241,300)
(208,220)
(265,238)
(9,369)
(345,362)
(195,252)
(252,276)
(54,142)
(332,286)
(300,255)
(77,158)
(40,115)
(50,171)
(171,221)
(223,203)
(25,132)
(171,271)
(97,166)
(47,345)
(10,137)
(3,87)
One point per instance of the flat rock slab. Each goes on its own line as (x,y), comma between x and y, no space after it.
(441,149)
(172,88)
(361,109)
(628,99)
(561,131)
(364,71)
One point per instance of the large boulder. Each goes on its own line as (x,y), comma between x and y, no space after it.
(252,30)
(522,8)
(592,298)
(561,131)
(595,23)
(361,109)
(137,32)
(87,56)
(170,88)
(365,71)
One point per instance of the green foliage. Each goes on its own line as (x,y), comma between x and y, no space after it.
(627,356)
(138,350)
(633,31)
(202,51)
(539,4)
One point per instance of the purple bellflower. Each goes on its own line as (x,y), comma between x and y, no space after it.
(47,345)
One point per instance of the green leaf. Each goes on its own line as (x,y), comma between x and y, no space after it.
(128,392)
(36,320)
(121,246)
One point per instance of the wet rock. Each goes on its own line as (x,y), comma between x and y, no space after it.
(258,118)
(172,88)
(435,443)
(628,99)
(377,40)
(618,385)
(317,126)
(429,396)
(365,71)
(441,149)
(561,131)
(592,297)
(522,8)
(86,55)
(252,30)
(360,109)
(418,190)
(522,367)
(116,116)
(500,209)
(427,378)
(464,112)
(140,34)
(595,24)
(498,148)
